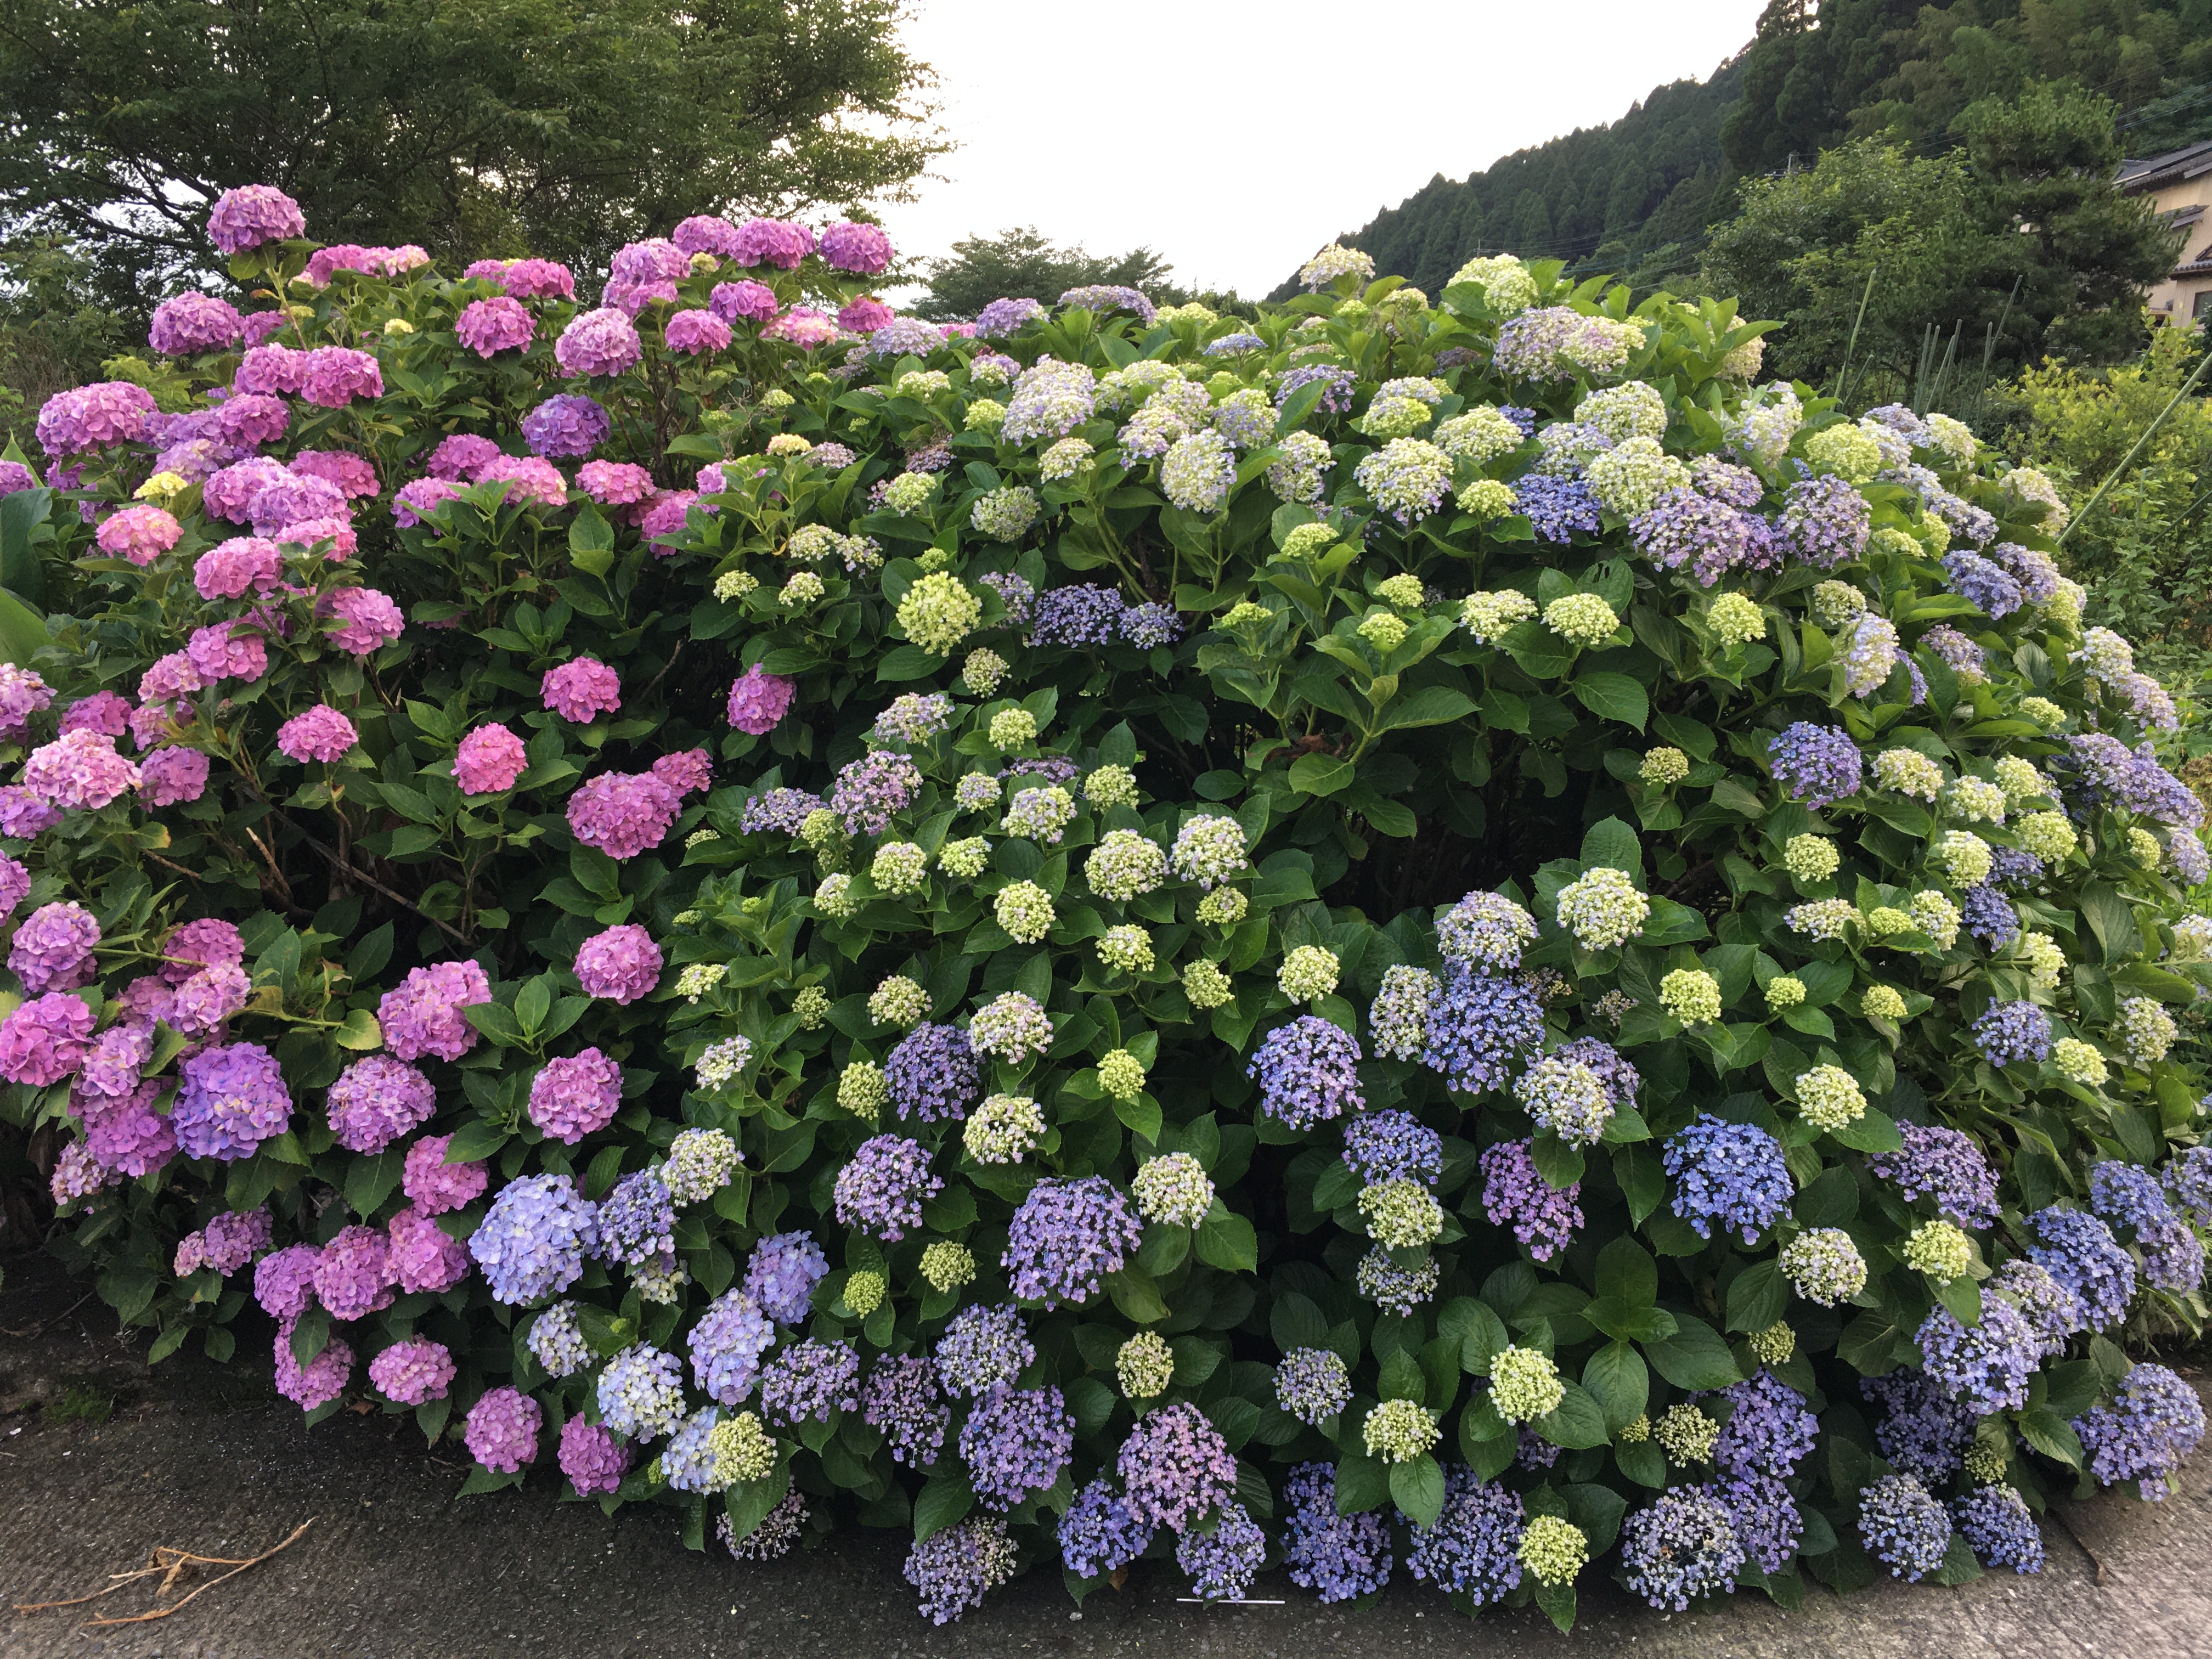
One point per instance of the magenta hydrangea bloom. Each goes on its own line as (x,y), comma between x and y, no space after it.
(274,371)
(621,964)
(435,1187)
(502,1432)
(285,1282)
(803,327)
(412,500)
(79,771)
(94,416)
(14,884)
(229,494)
(205,1000)
(376,1100)
(52,950)
(597,343)
(140,533)
(228,569)
(688,771)
(422,1015)
(865,315)
(308,534)
(45,1040)
(488,759)
(593,1459)
(105,712)
(665,516)
(459,458)
(354,475)
(582,690)
(226,651)
(413,1371)
(210,942)
(862,249)
(128,1135)
(322,1380)
(319,733)
(354,1275)
(170,775)
(773,242)
(193,323)
(233,1098)
(14,475)
(1176,1467)
(623,813)
(258,325)
(704,232)
(566,424)
(235,1237)
(289,497)
(333,376)
(530,478)
(77,1174)
(489,326)
(614,483)
(759,699)
(575,1095)
(22,694)
(749,301)
(252,215)
(695,332)
(366,620)
(424,1256)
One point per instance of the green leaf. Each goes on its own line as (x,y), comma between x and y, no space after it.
(2111,919)
(1557,1602)
(1400,1377)
(1616,1377)
(944,1501)
(1576,1422)
(476,1141)
(1363,1483)
(496,1021)
(1613,697)
(1695,1356)
(1874,1133)
(1612,844)
(21,514)
(1758,1297)
(1484,1338)
(748,1502)
(371,1180)
(1432,705)
(1626,1270)
(1227,1241)
(1320,775)
(360,1031)
(908,662)
(1418,1488)
(2052,1434)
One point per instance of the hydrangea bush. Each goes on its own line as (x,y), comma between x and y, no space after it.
(1429,930)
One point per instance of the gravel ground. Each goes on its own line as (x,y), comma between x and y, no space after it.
(397,1567)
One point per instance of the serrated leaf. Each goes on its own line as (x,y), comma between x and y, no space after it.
(1417,1488)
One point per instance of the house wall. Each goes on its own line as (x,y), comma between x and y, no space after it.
(2185,294)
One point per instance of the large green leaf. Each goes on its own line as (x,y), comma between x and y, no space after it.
(23,516)
(22,630)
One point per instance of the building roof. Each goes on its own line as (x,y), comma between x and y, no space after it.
(2156,172)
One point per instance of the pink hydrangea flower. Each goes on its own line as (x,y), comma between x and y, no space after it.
(623,814)
(230,492)
(489,327)
(422,1015)
(758,700)
(225,651)
(656,259)
(488,759)
(865,314)
(284,1281)
(695,332)
(435,1187)
(209,998)
(252,418)
(614,484)
(376,1100)
(193,323)
(111,1064)
(252,215)
(140,533)
(129,1136)
(353,474)
(802,326)
(864,250)
(258,325)
(667,515)
(22,694)
(365,620)
(52,948)
(687,771)
(235,1237)
(530,479)
(24,815)
(424,1256)
(105,712)
(602,341)
(322,1380)
(275,371)
(354,1275)
(582,690)
(228,569)
(503,1429)
(171,677)
(319,733)
(334,376)
(326,263)
(412,1371)
(289,497)
(631,298)
(210,942)
(703,232)
(411,501)
(575,1095)
(593,1459)
(750,300)
(527,279)
(459,458)
(79,771)
(308,534)
(14,884)
(621,964)
(93,417)
(171,776)
(77,1176)
(45,1040)
(772,241)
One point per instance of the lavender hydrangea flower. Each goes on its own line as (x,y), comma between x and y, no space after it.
(1312,1384)
(2154,1421)
(1990,916)
(1486,930)
(533,1241)
(1065,1238)
(727,1345)
(1946,1165)
(637,1220)
(955,1569)
(1731,1173)
(1767,1521)
(2079,1252)
(1817,765)
(1099,1534)
(1083,614)
(641,1392)
(2012,1033)
(983,1348)
(1339,1556)
(1985,585)
(1015,1443)
(782,1274)
(1680,1548)
(811,1379)
(1392,1146)
(869,792)
(1480,1029)
(1308,1072)
(1769,1430)
(1995,1520)
(1987,1366)
(905,1402)
(1903,1526)
(1515,1194)
(1222,1563)
(1174,1466)
(933,1075)
(232,1097)
(1825,522)
(882,1190)
(1924,1430)
(1471,1549)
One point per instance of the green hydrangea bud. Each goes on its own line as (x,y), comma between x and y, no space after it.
(1144,1366)
(946,1265)
(1111,786)
(1308,541)
(1122,1075)
(938,612)
(2048,836)
(1012,727)
(1024,911)
(1685,1434)
(1307,973)
(1553,1551)
(1692,995)
(1736,619)
(982,672)
(834,898)
(811,1005)
(741,1449)
(862,1090)
(1127,949)
(1224,907)
(1485,498)
(967,857)
(1987,1465)
(1785,991)
(899,867)
(2078,1061)
(2044,712)
(1524,1384)
(1206,986)
(1824,1265)
(1603,907)
(898,1002)
(1662,767)
(1636,1432)
(1887,919)
(1403,590)
(864,1292)
(985,414)
(1402,1212)
(1384,631)
(804,588)
(1939,1249)
(1487,616)
(1774,1344)
(1811,857)
(1965,856)
(1881,1002)
(2147,1031)
(1399,1431)
(1828,1097)
(1581,619)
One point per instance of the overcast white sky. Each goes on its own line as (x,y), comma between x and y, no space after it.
(1236,138)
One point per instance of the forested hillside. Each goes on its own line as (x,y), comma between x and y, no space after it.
(1639,194)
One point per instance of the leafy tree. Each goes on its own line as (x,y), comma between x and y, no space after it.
(477,127)
(2022,233)
(1019,263)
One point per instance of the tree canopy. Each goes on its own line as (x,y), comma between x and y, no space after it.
(477,127)
(1020,263)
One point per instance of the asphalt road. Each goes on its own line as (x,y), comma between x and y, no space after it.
(397,1567)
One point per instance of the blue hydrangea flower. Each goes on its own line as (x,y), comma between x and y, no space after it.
(1680,1548)
(1731,1173)
(1340,1556)
(1481,1029)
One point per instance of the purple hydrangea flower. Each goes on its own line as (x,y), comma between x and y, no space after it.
(1767,1521)
(533,1241)
(1731,1173)
(1679,1547)
(566,423)
(1903,1526)
(726,1345)
(1987,1366)
(1515,1194)
(376,1100)
(1065,1238)
(231,1098)
(1176,1467)
(2011,1033)
(1084,614)
(781,1275)
(1307,1071)
(882,1190)
(1945,1165)
(933,1075)
(1392,1146)
(982,1347)
(1815,764)
(1342,1557)
(1982,584)
(637,1221)
(811,1379)
(1769,1430)
(1557,508)
(955,1569)
(1099,1534)
(1479,1029)
(1995,1520)
(1989,915)
(1222,1563)
(1924,1431)
(870,791)
(1472,1547)
(905,1402)
(2154,1421)
(1825,522)
(1015,1443)
(2081,1253)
